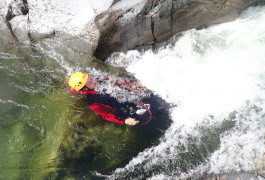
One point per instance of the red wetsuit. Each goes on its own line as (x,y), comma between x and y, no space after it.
(104,105)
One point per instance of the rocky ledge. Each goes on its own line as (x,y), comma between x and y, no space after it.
(111,25)
(159,20)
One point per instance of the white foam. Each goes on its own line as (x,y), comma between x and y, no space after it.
(100,6)
(209,73)
(126,4)
(13,102)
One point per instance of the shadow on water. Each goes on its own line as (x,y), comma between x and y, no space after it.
(92,144)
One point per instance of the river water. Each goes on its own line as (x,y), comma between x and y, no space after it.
(213,79)
(216,77)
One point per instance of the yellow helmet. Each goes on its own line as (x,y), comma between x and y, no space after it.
(78,80)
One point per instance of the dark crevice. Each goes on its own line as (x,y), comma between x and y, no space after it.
(261,175)
(171,19)
(21,7)
(32,40)
(153,23)
(153,29)
(25,9)
(153,4)
(9,14)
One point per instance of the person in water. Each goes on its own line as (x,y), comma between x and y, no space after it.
(102,104)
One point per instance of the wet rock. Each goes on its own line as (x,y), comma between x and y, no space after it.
(158,20)
(17,8)
(113,25)
(104,23)
(3,9)
(4,31)
(15,20)
(162,21)
(19,26)
(74,42)
(71,22)
(66,21)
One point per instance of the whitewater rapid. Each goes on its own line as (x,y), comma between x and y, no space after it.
(212,76)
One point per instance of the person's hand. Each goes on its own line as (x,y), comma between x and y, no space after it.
(131,121)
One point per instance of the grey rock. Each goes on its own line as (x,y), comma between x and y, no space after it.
(6,35)
(19,25)
(161,19)
(33,21)
(14,20)
(142,25)
(105,19)
(110,32)
(3,8)
(75,42)
(38,35)
(17,8)
(20,8)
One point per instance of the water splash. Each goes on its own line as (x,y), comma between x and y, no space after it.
(73,61)
(216,77)
(13,102)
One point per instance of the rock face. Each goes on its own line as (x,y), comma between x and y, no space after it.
(103,27)
(70,22)
(158,20)
(14,20)
(4,31)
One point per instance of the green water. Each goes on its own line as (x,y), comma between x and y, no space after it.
(46,132)
(31,110)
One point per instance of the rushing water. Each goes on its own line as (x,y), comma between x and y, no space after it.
(214,80)
(216,77)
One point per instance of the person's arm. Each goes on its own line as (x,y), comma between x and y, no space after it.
(100,109)
(135,84)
